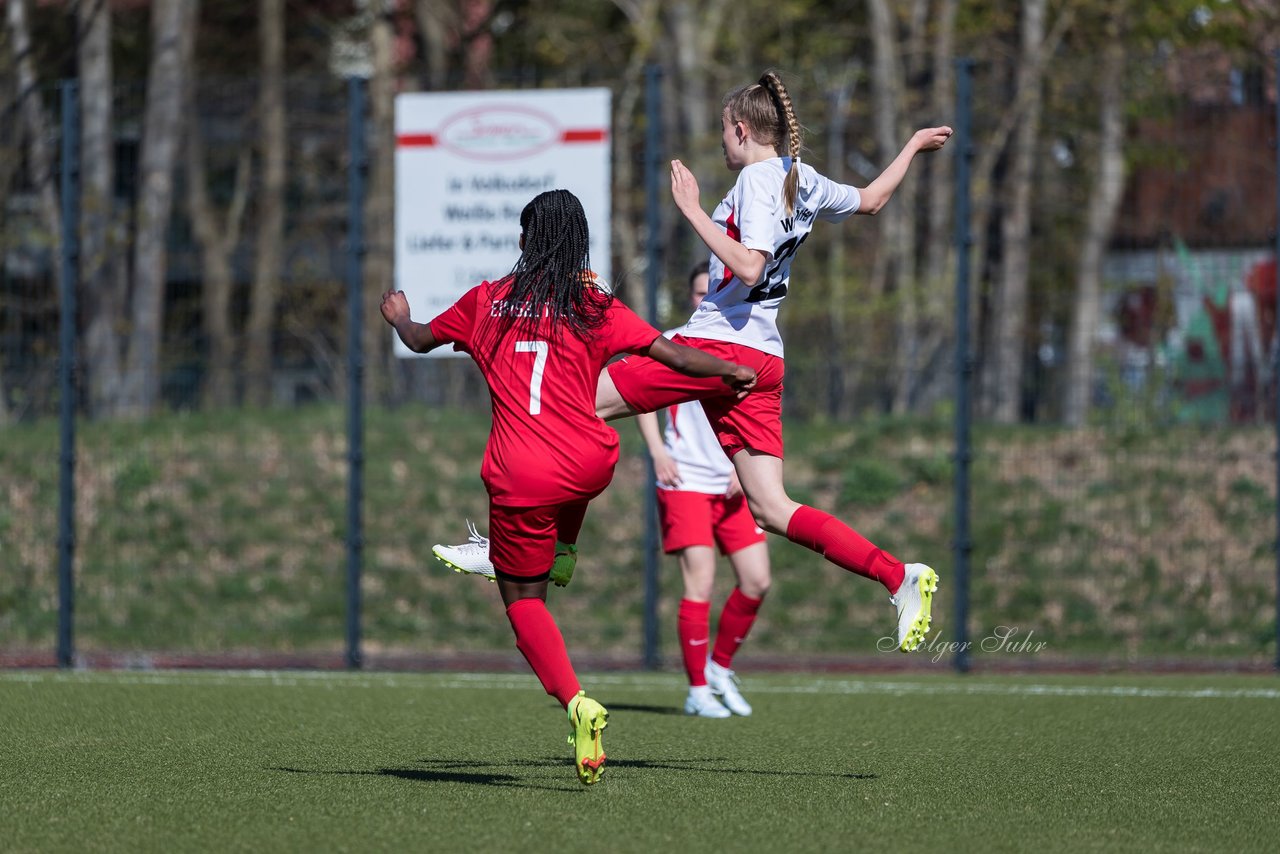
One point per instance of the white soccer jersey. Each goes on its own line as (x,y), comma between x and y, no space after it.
(692,443)
(755,215)
(694,446)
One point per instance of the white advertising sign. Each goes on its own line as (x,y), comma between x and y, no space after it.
(466,165)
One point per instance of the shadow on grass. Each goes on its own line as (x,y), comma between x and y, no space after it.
(646,709)
(472,772)
(442,775)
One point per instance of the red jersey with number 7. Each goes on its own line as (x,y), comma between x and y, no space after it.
(546,446)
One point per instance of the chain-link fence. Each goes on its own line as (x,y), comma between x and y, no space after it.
(216,527)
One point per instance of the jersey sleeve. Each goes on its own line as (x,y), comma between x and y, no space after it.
(628,333)
(456,324)
(758,196)
(839,201)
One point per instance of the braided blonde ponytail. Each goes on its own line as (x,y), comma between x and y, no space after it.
(791,127)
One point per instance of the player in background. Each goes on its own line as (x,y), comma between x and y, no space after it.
(754,234)
(701,506)
(541,337)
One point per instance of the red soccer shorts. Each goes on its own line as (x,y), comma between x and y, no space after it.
(754,422)
(522,540)
(699,519)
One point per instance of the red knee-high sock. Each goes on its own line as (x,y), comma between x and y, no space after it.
(538,638)
(694,630)
(735,622)
(844,547)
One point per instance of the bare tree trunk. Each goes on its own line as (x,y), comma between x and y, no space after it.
(102,281)
(1103,206)
(694,29)
(477,57)
(162,128)
(1009,309)
(938,257)
(217,241)
(897,259)
(436,20)
(264,299)
(628,191)
(37,129)
(379,204)
(1026,91)
(844,370)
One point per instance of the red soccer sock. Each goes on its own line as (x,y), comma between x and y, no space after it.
(735,622)
(538,638)
(694,630)
(844,547)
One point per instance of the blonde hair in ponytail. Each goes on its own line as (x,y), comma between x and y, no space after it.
(766,108)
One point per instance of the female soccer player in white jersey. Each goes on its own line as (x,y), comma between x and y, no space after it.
(541,337)
(701,506)
(754,234)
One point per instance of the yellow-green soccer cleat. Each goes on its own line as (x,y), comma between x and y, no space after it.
(914,601)
(586,719)
(471,557)
(565,562)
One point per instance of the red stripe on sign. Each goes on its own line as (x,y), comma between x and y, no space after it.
(415,140)
(583,136)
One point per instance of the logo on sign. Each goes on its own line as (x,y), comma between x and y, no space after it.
(499,133)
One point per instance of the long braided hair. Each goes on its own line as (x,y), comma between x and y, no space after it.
(766,108)
(553,277)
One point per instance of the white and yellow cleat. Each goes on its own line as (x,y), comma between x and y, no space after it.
(586,719)
(471,557)
(914,601)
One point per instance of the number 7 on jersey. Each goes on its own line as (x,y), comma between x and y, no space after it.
(539,349)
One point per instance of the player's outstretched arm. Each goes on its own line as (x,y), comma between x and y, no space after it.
(747,264)
(416,336)
(878,192)
(695,363)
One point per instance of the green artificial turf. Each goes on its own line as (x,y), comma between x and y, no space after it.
(310,761)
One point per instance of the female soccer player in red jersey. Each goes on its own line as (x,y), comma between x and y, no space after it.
(541,336)
(701,506)
(754,234)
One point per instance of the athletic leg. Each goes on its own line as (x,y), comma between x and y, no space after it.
(693,621)
(773,509)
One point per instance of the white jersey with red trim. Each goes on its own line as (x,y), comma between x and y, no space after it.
(755,215)
(692,443)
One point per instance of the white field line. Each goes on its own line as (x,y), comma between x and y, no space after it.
(421,681)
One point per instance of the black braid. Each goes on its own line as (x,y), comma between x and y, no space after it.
(553,274)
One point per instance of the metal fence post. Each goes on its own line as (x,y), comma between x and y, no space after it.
(653,146)
(70,262)
(964,362)
(355,359)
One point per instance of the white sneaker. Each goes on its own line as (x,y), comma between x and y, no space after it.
(470,557)
(914,601)
(724,684)
(703,703)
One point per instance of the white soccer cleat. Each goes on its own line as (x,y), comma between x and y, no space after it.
(914,601)
(724,684)
(471,557)
(703,704)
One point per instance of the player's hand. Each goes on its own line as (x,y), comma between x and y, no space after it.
(684,187)
(742,380)
(666,470)
(931,139)
(395,307)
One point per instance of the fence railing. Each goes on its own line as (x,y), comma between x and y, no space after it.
(1147,534)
